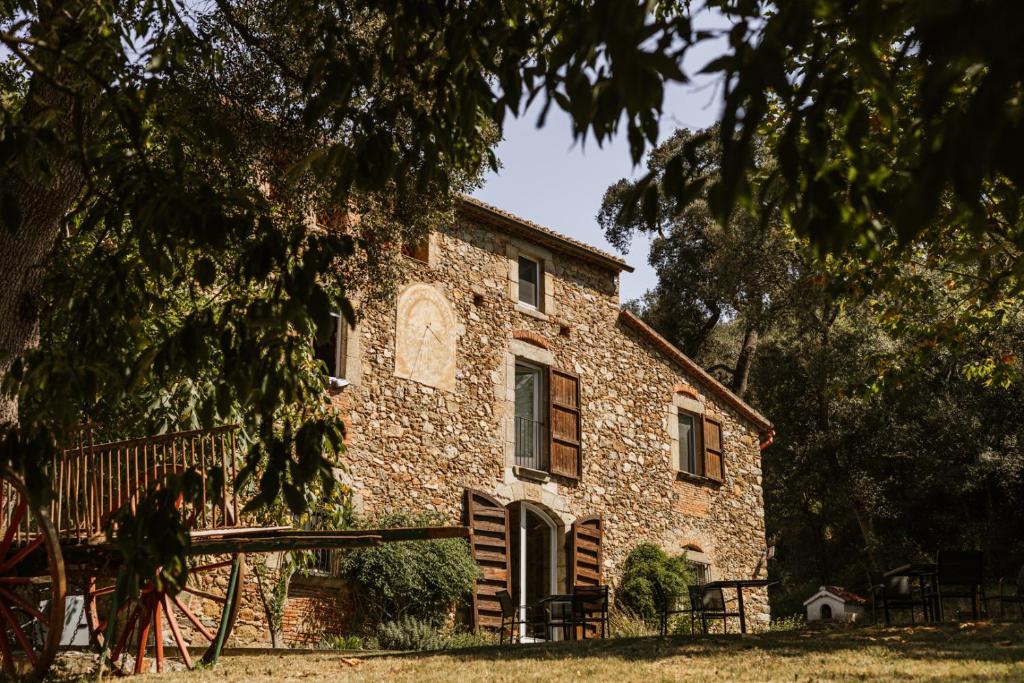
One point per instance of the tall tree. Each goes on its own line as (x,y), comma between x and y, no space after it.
(743,272)
(893,122)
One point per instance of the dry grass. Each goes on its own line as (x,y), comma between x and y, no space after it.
(948,653)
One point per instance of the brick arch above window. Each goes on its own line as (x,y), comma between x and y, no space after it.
(686,390)
(531,338)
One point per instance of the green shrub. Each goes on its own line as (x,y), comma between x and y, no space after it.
(423,580)
(647,570)
(623,622)
(409,633)
(794,622)
(342,643)
(457,640)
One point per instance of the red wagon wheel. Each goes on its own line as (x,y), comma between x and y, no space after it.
(32,584)
(196,622)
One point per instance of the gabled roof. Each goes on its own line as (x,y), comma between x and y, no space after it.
(709,382)
(503,220)
(837,592)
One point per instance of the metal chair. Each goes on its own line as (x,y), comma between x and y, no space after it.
(897,593)
(711,602)
(667,607)
(512,616)
(1017,599)
(958,574)
(589,608)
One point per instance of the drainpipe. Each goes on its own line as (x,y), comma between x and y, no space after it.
(766,439)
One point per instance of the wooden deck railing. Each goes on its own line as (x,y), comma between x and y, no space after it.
(92,481)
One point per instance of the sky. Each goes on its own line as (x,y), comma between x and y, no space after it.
(547,179)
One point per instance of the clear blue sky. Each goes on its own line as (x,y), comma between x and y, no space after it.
(547,179)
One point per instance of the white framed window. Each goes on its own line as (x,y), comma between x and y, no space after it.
(332,352)
(529,416)
(690,451)
(701,571)
(531,275)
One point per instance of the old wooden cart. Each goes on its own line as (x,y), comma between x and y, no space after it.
(49,552)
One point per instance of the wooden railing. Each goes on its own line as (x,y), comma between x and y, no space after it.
(92,481)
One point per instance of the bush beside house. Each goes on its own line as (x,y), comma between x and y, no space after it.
(411,586)
(650,575)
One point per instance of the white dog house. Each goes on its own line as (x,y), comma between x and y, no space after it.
(833,603)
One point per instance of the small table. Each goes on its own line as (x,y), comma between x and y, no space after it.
(563,599)
(922,571)
(739,585)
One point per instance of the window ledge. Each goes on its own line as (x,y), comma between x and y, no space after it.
(337,382)
(530,473)
(697,479)
(531,311)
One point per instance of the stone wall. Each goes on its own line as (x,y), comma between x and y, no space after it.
(417,447)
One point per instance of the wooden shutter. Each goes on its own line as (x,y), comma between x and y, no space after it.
(586,551)
(487,520)
(714,465)
(564,418)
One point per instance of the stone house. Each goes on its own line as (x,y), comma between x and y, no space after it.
(506,389)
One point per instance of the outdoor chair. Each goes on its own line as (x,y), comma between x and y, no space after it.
(897,593)
(958,574)
(589,610)
(512,617)
(709,603)
(1017,599)
(667,608)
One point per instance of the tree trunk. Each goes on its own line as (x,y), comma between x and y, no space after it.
(840,473)
(741,377)
(42,200)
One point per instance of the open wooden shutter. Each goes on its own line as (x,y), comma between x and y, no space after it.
(586,551)
(564,412)
(714,467)
(489,539)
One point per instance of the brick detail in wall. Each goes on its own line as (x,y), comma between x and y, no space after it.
(686,390)
(316,609)
(531,338)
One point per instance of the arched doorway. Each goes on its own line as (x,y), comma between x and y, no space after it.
(534,544)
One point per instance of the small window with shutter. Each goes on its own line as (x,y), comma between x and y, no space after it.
(714,462)
(691,458)
(565,448)
(331,352)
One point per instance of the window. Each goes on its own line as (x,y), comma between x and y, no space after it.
(419,251)
(332,352)
(529,282)
(529,414)
(700,572)
(690,452)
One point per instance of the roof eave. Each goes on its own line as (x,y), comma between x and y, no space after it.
(546,236)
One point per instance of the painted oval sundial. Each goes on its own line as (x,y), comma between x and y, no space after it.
(426,337)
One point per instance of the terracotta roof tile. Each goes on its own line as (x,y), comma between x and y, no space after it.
(543,235)
(845,595)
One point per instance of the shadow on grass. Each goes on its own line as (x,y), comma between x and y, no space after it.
(991,642)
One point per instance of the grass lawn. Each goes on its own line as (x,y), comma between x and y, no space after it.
(947,653)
